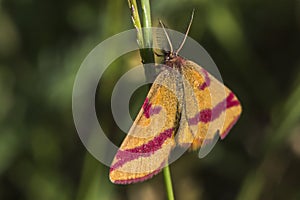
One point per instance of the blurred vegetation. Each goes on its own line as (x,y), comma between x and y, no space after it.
(256,45)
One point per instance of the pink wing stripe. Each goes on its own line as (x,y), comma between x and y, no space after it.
(207,81)
(208,115)
(144,150)
(139,179)
(149,110)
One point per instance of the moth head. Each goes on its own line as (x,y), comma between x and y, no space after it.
(168,55)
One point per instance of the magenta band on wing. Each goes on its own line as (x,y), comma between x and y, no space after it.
(206,82)
(144,150)
(149,110)
(139,179)
(208,115)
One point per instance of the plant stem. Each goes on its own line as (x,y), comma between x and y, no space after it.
(147,53)
(147,24)
(136,22)
(168,182)
(144,34)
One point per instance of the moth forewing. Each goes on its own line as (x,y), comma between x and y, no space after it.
(146,148)
(216,108)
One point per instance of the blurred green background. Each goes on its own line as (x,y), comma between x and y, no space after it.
(255,44)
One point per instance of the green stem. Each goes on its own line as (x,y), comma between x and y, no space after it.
(168,182)
(147,53)
(144,36)
(136,22)
(147,24)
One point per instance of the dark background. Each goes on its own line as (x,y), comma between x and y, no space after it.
(254,43)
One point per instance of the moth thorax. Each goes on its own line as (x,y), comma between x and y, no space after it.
(175,62)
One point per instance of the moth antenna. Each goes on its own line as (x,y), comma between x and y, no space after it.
(168,38)
(186,33)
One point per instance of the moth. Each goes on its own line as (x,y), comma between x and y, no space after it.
(186,106)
